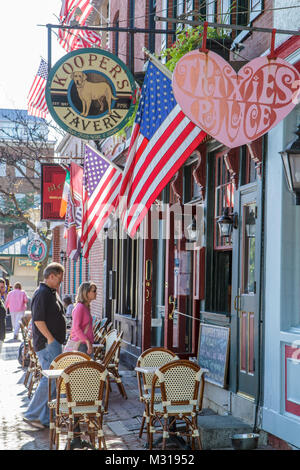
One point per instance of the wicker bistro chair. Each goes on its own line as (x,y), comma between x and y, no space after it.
(111,363)
(152,357)
(181,383)
(61,362)
(25,353)
(99,324)
(34,371)
(85,383)
(99,338)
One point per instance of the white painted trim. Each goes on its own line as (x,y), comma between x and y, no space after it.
(286,427)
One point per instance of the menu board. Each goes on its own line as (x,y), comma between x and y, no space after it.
(213,352)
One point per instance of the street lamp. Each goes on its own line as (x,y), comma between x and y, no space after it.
(250,224)
(226,222)
(192,231)
(62,254)
(291,163)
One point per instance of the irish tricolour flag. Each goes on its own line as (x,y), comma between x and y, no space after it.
(64,199)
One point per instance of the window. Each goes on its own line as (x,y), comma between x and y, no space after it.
(240,12)
(20,170)
(2,169)
(2,232)
(18,232)
(127,274)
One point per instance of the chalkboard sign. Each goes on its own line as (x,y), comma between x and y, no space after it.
(213,352)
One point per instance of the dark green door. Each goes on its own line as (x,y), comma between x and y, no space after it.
(246,281)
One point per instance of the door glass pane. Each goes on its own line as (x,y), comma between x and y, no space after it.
(249,236)
(158,310)
(183,294)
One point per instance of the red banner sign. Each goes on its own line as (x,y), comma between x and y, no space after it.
(53,179)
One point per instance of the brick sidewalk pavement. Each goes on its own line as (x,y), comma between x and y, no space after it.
(121,424)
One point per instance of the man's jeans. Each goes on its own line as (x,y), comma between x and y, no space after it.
(38,406)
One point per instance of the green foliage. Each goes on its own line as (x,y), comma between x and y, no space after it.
(187,40)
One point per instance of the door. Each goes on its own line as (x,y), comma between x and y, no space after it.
(181,300)
(246,254)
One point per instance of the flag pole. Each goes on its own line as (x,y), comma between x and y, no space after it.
(158,63)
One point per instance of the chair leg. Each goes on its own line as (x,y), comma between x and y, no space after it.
(56,436)
(165,431)
(107,394)
(142,426)
(51,429)
(150,435)
(119,382)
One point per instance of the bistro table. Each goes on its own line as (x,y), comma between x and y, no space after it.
(52,373)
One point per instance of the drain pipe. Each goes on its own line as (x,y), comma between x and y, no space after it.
(261,293)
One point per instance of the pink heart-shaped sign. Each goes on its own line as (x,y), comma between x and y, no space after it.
(235,108)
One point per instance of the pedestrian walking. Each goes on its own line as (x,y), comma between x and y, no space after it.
(2,309)
(49,332)
(68,304)
(82,321)
(16,302)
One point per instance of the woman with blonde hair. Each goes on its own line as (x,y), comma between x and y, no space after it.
(82,322)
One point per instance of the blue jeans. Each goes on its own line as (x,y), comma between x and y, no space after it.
(38,406)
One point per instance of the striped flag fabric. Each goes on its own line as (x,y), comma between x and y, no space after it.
(162,139)
(76,12)
(71,230)
(76,175)
(100,190)
(65,195)
(36,104)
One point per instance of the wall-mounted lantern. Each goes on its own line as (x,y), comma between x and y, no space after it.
(227,222)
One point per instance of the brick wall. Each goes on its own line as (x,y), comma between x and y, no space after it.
(259,42)
(96,275)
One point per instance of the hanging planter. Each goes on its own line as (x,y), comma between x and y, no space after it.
(191,39)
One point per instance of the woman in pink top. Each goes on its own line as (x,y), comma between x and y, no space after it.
(82,322)
(16,301)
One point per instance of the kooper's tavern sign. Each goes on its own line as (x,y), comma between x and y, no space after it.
(90,93)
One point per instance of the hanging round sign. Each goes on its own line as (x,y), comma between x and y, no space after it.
(37,250)
(90,93)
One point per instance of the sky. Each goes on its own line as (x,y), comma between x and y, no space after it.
(23,43)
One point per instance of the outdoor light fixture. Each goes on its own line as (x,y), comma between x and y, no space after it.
(192,231)
(62,256)
(226,222)
(291,163)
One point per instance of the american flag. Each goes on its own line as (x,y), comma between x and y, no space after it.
(37,105)
(162,139)
(76,12)
(101,186)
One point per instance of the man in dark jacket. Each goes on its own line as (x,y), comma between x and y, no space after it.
(49,332)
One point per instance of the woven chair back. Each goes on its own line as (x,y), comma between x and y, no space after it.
(154,357)
(179,383)
(67,359)
(84,384)
(112,347)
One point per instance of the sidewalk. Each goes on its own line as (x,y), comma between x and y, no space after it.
(121,424)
